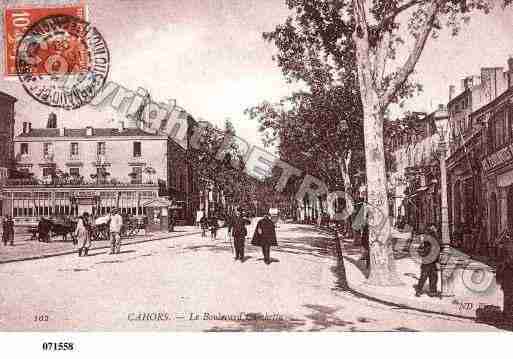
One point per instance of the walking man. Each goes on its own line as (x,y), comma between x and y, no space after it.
(265,237)
(239,232)
(116,222)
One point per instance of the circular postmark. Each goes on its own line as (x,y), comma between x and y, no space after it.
(62,61)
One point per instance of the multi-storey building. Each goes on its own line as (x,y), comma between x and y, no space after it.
(6,134)
(414,179)
(6,138)
(468,130)
(496,169)
(89,169)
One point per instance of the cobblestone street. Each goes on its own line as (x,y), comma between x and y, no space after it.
(191,283)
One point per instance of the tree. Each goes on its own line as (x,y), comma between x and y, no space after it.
(360,41)
(217,161)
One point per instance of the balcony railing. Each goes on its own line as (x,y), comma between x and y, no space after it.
(74,157)
(48,157)
(36,183)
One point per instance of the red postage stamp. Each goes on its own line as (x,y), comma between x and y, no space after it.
(17,20)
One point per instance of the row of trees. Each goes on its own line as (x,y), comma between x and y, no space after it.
(355,59)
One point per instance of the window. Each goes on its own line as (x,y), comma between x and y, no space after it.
(47,149)
(74,149)
(137,175)
(47,171)
(101,148)
(137,149)
(74,172)
(24,148)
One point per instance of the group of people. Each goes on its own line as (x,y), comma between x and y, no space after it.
(209,223)
(83,232)
(264,235)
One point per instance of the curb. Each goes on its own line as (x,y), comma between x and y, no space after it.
(56,254)
(411,304)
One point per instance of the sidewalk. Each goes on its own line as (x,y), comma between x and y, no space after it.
(26,249)
(462,302)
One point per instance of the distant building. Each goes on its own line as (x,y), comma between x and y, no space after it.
(6,134)
(414,181)
(6,138)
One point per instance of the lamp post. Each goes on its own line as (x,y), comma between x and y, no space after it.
(441,127)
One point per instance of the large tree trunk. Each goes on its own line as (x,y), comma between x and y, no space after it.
(382,265)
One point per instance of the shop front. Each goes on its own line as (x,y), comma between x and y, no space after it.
(28,202)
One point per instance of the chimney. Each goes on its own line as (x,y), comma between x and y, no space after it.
(121,126)
(25,127)
(452,92)
(52,121)
(89,131)
(62,131)
(29,127)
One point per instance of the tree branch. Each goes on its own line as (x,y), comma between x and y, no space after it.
(413,58)
(398,10)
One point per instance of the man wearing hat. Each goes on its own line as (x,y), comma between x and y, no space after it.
(239,232)
(116,222)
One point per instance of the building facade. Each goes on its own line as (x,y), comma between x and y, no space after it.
(414,182)
(70,171)
(6,134)
(470,128)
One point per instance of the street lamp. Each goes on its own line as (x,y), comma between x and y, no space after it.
(442,131)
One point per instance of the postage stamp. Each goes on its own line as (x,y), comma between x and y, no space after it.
(62,61)
(17,20)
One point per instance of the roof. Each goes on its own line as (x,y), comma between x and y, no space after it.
(81,132)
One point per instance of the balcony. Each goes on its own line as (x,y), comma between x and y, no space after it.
(34,182)
(48,157)
(102,160)
(24,158)
(74,157)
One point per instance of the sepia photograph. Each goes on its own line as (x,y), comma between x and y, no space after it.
(259,166)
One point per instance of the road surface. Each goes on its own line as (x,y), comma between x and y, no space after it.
(193,284)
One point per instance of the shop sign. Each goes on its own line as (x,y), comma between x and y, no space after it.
(498,158)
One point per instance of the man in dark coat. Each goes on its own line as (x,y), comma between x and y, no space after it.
(429,254)
(239,232)
(43,229)
(265,237)
(8,231)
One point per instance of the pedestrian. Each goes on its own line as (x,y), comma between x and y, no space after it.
(82,234)
(204,224)
(365,244)
(429,252)
(239,233)
(504,277)
(265,237)
(8,231)
(214,226)
(172,221)
(43,230)
(116,222)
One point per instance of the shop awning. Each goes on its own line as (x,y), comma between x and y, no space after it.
(157,203)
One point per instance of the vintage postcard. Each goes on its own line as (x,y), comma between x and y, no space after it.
(256,166)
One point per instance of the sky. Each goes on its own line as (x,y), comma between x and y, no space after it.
(210,57)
